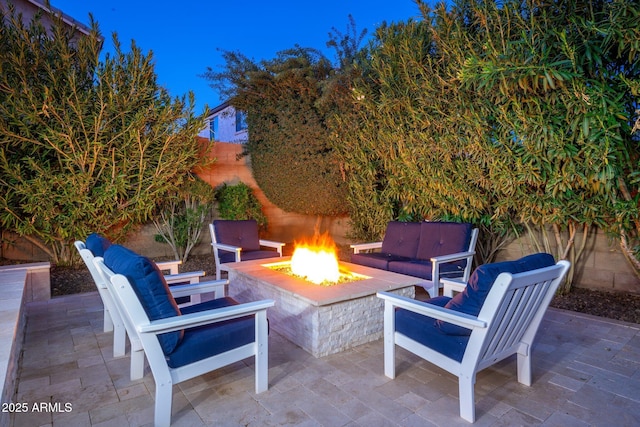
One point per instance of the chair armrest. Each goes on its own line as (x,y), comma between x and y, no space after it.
(202,318)
(358,247)
(225,247)
(199,288)
(433,311)
(450,285)
(228,248)
(442,259)
(273,244)
(172,266)
(191,277)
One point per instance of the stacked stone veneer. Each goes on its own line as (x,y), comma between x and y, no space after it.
(319,327)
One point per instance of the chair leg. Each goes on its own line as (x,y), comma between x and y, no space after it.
(137,364)
(164,397)
(389,344)
(119,339)
(262,353)
(433,290)
(466,394)
(524,369)
(107,322)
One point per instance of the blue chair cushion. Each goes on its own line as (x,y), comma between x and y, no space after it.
(226,256)
(241,233)
(97,244)
(423,269)
(209,305)
(425,330)
(470,300)
(377,260)
(415,268)
(149,284)
(401,239)
(210,340)
(443,238)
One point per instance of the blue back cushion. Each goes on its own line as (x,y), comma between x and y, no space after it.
(470,300)
(97,244)
(401,239)
(149,284)
(241,233)
(443,238)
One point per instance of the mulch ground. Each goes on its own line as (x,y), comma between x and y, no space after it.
(614,305)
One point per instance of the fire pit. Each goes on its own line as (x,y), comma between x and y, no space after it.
(322,319)
(316,261)
(343,276)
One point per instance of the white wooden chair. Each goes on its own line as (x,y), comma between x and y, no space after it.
(171,267)
(207,340)
(237,240)
(113,319)
(506,324)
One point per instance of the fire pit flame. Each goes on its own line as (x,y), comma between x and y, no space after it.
(316,260)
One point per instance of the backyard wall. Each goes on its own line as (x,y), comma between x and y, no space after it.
(602,265)
(282,226)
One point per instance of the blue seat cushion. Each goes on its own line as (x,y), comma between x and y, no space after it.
(241,233)
(423,269)
(206,341)
(443,238)
(425,330)
(148,283)
(377,260)
(209,305)
(470,300)
(226,256)
(415,268)
(401,239)
(97,244)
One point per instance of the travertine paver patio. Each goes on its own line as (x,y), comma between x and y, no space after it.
(586,372)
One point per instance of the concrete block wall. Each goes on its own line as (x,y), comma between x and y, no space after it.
(602,266)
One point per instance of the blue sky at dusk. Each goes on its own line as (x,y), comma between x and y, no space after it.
(186,36)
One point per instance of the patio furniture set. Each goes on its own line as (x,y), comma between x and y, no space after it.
(495,315)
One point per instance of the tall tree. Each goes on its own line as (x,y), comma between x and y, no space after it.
(85,145)
(291,156)
(513,113)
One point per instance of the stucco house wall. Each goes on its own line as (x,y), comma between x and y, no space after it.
(226,126)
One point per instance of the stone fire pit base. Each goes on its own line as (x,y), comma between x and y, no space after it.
(321,319)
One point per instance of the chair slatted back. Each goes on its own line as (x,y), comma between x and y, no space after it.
(513,310)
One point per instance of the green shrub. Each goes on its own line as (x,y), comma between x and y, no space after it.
(86,145)
(182,215)
(291,156)
(238,202)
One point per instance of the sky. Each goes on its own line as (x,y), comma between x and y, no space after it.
(188,36)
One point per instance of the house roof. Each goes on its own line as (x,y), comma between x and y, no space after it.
(217,109)
(39,4)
